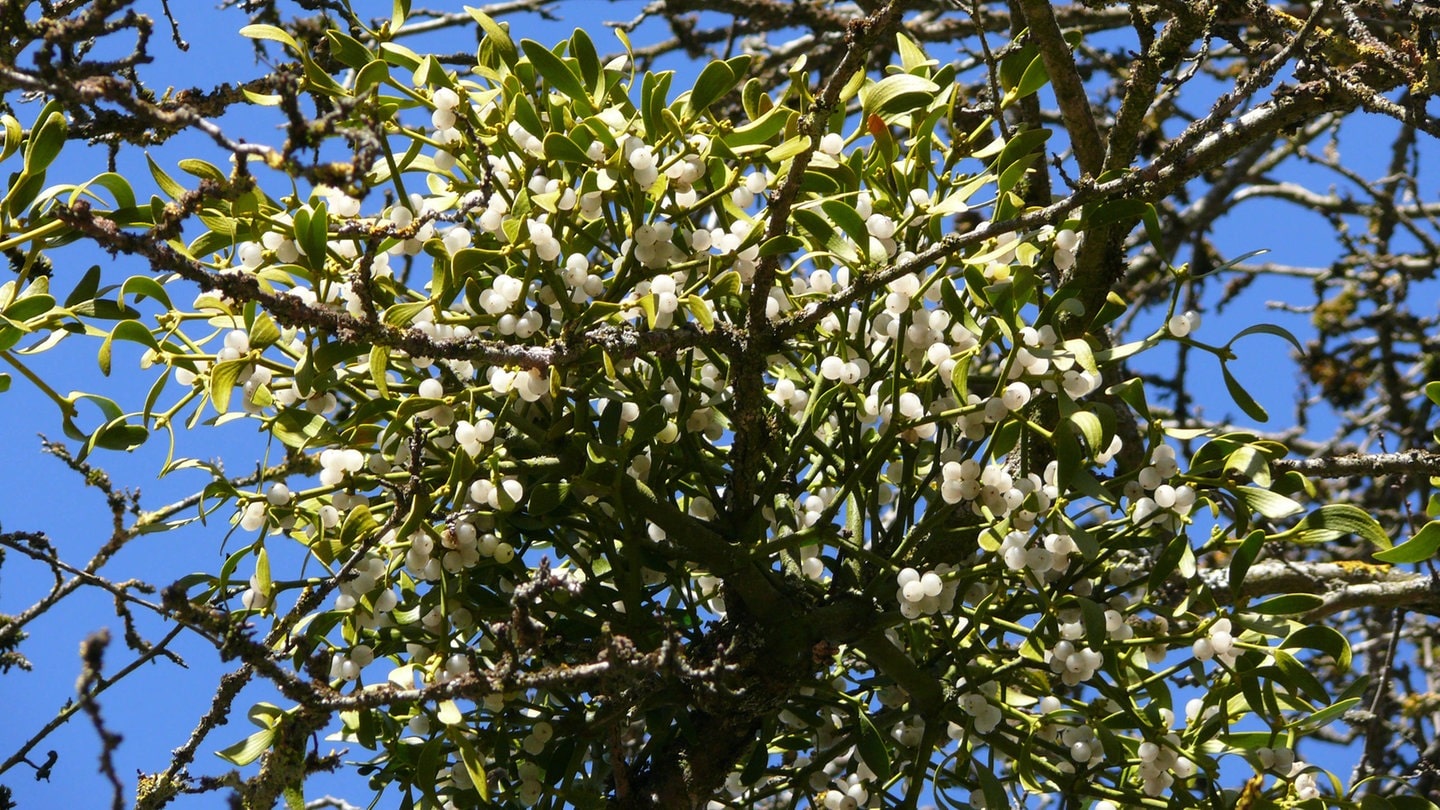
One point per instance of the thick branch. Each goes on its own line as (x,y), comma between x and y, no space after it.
(1414,462)
(1069,89)
(1342,586)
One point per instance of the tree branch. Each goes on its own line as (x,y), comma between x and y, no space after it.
(1075,107)
(1341,585)
(1414,462)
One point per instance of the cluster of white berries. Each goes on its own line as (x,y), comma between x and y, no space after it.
(461,547)
(1039,354)
(1161,764)
(1082,744)
(924,594)
(909,732)
(336,464)
(1051,554)
(1066,243)
(1164,504)
(284,247)
(908,407)
(992,488)
(370,572)
(654,247)
(347,666)
(505,291)
(529,383)
(531,786)
(502,496)
(472,437)
(1282,760)
(444,119)
(254,597)
(984,715)
(1074,664)
(787,394)
(402,217)
(1217,643)
(848,794)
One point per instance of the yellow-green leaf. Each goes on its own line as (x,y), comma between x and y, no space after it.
(272,33)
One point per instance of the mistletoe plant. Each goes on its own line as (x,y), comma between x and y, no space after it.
(623,451)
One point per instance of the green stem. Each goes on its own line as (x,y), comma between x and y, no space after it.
(38,233)
(66,406)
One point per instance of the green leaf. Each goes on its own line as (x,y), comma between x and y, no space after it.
(1287,604)
(844,215)
(1298,677)
(1326,715)
(145,287)
(556,71)
(1323,639)
(372,75)
(312,234)
(272,33)
(403,314)
(960,375)
(1088,425)
(46,140)
(1118,210)
(132,331)
(559,146)
(1242,397)
(474,765)
(911,54)
(118,187)
(546,497)
(263,331)
(784,244)
(1418,548)
(699,308)
(496,35)
(14,133)
(1268,504)
(788,149)
(448,713)
(379,361)
(1267,329)
(201,169)
(349,50)
(871,745)
(23,192)
(1177,556)
(358,525)
(584,52)
(86,289)
(223,377)
(249,749)
(898,94)
(716,80)
(1250,463)
(1235,261)
(1034,78)
(118,435)
(300,428)
(759,131)
(1244,557)
(1334,521)
(167,184)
